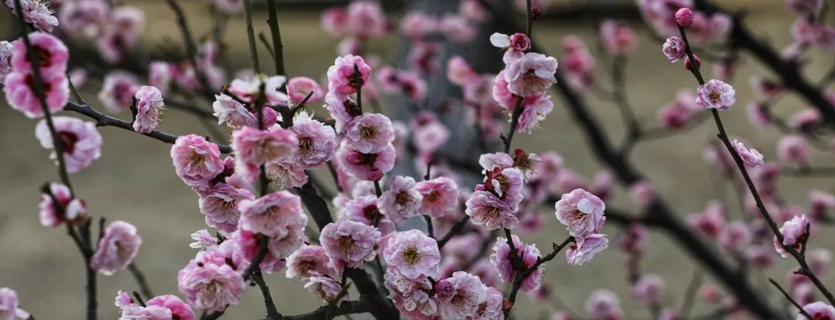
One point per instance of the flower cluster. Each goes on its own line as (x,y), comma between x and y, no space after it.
(582,214)
(20,85)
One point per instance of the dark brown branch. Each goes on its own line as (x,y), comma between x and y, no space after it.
(103,120)
(524,272)
(191,48)
(137,274)
(278,53)
(789,297)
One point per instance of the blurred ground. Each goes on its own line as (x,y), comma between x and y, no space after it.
(134,179)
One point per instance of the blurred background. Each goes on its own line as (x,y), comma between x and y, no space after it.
(134,179)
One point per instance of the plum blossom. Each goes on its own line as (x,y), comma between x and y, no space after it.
(9,308)
(299,87)
(818,310)
(219,205)
(711,221)
(349,243)
(369,133)
(341,80)
(530,75)
(317,141)
(366,19)
(502,261)
(249,89)
(793,149)
(255,147)
(634,240)
(648,288)
(412,254)
(50,51)
(179,309)
(149,108)
(116,249)
(488,210)
(581,212)
(58,206)
(440,196)
(196,161)
(793,231)
(456,28)
(366,166)
(118,91)
(20,92)
(684,17)
(492,308)
(467,295)
(247,244)
(274,214)
(584,249)
(308,259)
(36,12)
(235,115)
(675,49)
(80,141)
(323,286)
(751,157)
(617,38)
(716,94)
(342,109)
(364,209)
(209,283)
(515,45)
(401,201)
(604,304)
(642,193)
(203,240)
(160,75)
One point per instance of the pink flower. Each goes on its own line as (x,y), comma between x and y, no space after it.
(584,249)
(416,25)
(196,160)
(581,212)
(317,141)
(488,210)
(460,73)
(604,304)
(308,259)
(35,12)
(735,237)
(711,221)
(765,89)
(794,232)
(468,293)
(80,140)
(820,202)
(751,157)
(9,308)
(299,87)
(440,196)
(335,21)
(684,17)
(323,286)
(617,38)
(58,206)
(349,243)
(342,109)
(818,310)
(235,115)
(535,108)
(364,209)
(412,254)
(341,79)
(255,147)
(401,201)
(118,91)
(366,19)
(203,240)
(20,92)
(457,29)
(430,137)
(366,166)
(219,205)
(634,240)
(492,308)
(642,193)
(793,149)
(531,74)
(51,53)
(716,94)
(116,249)
(160,75)
(807,120)
(274,214)
(210,284)
(675,49)
(515,45)
(369,133)
(179,309)
(502,261)
(804,8)
(246,246)
(149,108)
(648,289)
